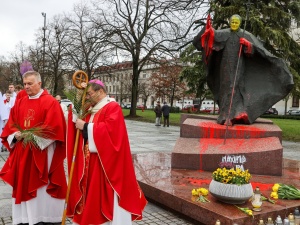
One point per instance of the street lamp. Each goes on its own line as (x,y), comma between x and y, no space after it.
(44,41)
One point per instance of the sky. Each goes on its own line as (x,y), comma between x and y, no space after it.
(21,19)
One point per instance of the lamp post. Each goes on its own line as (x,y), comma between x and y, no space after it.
(44,42)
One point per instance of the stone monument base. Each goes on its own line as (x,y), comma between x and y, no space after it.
(203,144)
(172,188)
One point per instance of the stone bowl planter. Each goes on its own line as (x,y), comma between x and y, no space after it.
(231,193)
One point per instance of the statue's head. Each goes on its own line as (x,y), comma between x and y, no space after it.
(235,22)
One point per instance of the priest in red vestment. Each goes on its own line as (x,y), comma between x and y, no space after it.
(35,137)
(104,189)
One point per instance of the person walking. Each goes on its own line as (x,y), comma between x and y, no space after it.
(35,137)
(158,113)
(166,112)
(104,189)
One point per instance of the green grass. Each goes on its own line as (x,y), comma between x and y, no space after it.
(149,116)
(290,128)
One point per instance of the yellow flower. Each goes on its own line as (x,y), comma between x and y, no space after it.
(274,195)
(275,187)
(231,176)
(249,212)
(203,191)
(195,192)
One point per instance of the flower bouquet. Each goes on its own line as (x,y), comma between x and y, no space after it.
(284,191)
(200,193)
(246,210)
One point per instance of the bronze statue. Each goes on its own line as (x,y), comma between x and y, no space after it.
(245,78)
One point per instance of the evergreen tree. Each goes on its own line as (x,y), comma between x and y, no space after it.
(272,21)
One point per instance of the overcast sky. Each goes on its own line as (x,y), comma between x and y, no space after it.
(20,19)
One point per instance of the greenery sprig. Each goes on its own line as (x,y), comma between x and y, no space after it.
(30,135)
(245,210)
(80,105)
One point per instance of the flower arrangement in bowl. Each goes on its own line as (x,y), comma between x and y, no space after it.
(231,185)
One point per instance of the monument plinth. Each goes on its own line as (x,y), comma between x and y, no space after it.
(202,146)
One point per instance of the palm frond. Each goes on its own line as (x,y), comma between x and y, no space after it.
(81,107)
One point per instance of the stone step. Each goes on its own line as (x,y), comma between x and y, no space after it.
(259,155)
(208,128)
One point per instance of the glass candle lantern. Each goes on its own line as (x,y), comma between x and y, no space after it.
(256,200)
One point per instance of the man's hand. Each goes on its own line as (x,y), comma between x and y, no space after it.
(83,84)
(79,124)
(18,135)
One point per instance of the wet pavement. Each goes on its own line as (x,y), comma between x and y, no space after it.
(144,138)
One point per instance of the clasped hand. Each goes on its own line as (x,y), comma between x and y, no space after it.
(244,41)
(79,124)
(19,136)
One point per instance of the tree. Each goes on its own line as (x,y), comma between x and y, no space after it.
(145,29)
(166,83)
(145,91)
(194,74)
(57,43)
(87,44)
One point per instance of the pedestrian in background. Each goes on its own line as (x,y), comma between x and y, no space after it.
(158,113)
(166,112)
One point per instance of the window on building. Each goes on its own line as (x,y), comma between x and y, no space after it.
(295,101)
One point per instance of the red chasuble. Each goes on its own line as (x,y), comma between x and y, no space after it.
(97,175)
(21,94)
(26,168)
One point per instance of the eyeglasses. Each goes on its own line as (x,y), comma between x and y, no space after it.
(90,94)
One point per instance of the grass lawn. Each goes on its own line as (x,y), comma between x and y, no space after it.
(290,128)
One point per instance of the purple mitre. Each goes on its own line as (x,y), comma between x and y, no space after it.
(25,66)
(96,81)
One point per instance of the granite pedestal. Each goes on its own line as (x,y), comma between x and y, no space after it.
(203,144)
(172,188)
